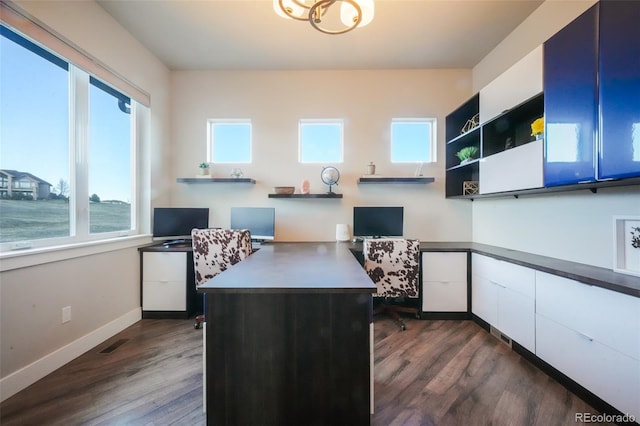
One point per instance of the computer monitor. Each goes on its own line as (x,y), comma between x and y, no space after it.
(378,222)
(260,221)
(177,222)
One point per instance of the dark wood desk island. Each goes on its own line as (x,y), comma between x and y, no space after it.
(288,338)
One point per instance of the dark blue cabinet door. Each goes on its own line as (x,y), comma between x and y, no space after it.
(570,102)
(619,91)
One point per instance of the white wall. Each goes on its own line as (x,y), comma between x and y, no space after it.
(575,226)
(275,101)
(100,283)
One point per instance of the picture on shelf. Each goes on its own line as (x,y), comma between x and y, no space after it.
(626,257)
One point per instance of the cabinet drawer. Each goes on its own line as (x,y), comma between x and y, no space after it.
(444,296)
(609,374)
(444,266)
(164,296)
(484,299)
(164,266)
(604,315)
(505,274)
(516,317)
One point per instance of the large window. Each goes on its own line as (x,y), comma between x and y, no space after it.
(413,140)
(229,141)
(320,141)
(66,165)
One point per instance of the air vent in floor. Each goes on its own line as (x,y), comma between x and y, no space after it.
(112,347)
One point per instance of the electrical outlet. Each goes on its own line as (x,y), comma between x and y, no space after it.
(66,314)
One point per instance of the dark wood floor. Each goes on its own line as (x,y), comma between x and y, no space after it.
(434,373)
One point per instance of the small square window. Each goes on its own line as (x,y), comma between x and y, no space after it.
(320,141)
(413,140)
(229,141)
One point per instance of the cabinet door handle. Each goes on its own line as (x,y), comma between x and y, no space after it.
(445,282)
(585,336)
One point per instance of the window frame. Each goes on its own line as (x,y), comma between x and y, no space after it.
(211,122)
(433,142)
(78,86)
(314,121)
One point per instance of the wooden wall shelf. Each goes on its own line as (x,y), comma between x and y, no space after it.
(333,195)
(375,179)
(215,180)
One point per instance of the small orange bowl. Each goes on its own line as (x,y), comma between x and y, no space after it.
(284,189)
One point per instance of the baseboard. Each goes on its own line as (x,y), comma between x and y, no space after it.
(26,376)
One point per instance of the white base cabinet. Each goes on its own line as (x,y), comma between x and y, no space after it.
(503,294)
(593,336)
(444,282)
(164,281)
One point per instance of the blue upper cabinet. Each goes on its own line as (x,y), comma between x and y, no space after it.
(571,102)
(619,89)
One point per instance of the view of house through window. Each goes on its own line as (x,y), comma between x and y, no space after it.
(58,186)
(320,141)
(413,140)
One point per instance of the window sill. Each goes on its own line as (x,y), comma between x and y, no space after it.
(30,257)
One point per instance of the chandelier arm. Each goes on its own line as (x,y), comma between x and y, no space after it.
(327,3)
(289,13)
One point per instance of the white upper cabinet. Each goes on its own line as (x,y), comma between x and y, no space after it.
(514,86)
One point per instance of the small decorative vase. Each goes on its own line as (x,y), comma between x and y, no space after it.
(204,171)
(539,136)
(371,168)
(236,173)
(304,187)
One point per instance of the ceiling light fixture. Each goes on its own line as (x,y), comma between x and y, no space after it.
(325,15)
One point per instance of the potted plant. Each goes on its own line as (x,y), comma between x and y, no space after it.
(537,128)
(204,168)
(467,154)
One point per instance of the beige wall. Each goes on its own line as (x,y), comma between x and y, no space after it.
(100,282)
(275,101)
(575,226)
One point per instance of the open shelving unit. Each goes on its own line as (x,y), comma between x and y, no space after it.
(457,173)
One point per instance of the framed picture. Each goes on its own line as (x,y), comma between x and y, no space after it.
(626,244)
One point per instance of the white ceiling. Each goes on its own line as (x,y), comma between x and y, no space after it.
(247,34)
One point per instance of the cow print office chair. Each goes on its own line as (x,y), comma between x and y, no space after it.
(214,251)
(394,266)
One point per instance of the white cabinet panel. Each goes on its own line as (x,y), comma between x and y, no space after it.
(503,294)
(516,317)
(164,281)
(606,316)
(444,266)
(484,299)
(164,296)
(164,266)
(444,296)
(444,282)
(514,86)
(607,373)
(516,168)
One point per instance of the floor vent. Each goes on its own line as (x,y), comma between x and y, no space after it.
(112,347)
(502,337)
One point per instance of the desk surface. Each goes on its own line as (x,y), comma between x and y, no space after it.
(294,268)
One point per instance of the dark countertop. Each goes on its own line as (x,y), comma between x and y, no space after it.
(294,255)
(591,275)
(327,267)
